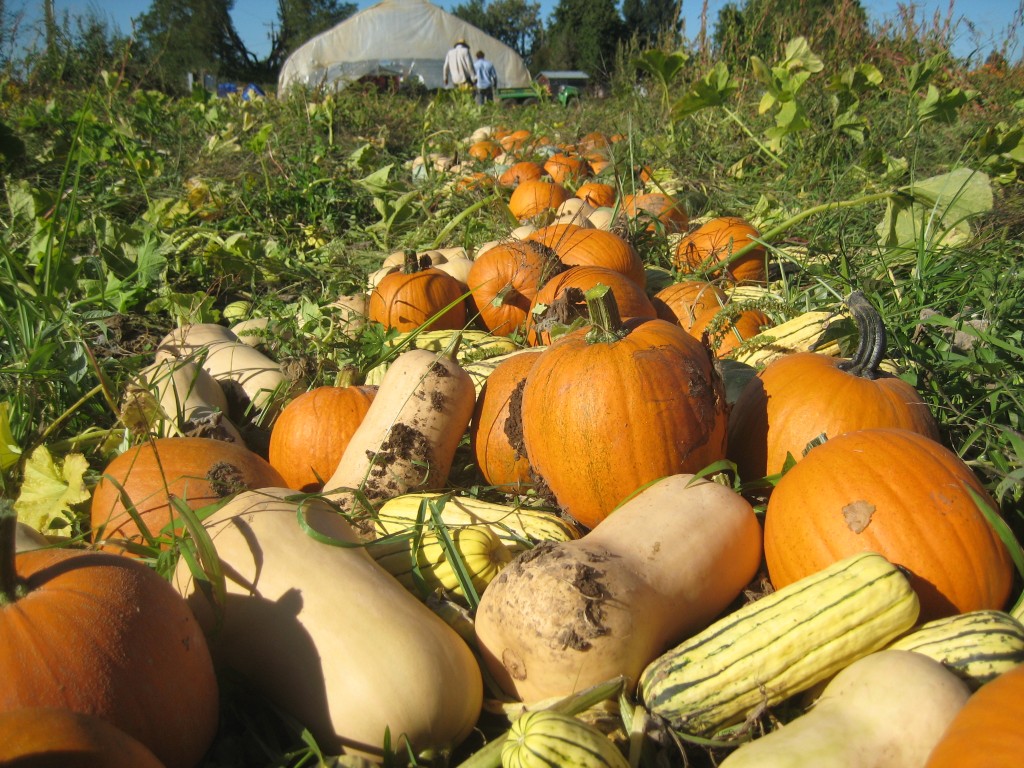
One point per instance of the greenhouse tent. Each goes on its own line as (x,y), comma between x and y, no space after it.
(407,37)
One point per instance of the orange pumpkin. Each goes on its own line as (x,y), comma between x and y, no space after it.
(597,194)
(900,494)
(516,140)
(580,246)
(534,197)
(556,302)
(666,210)
(504,281)
(495,431)
(567,169)
(51,737)
(312,431)
(605,413)
(714,242)
(197,470)
(728,326)
(986,732)
(524,170)
(408,299)
(682,302)
(799,396)
(594,146)
(105,635)
(484,150)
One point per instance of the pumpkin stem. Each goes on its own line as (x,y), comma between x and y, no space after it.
(11,587)
(872,338)
(412,263)
(605,321)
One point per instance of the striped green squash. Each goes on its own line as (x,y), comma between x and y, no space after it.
(549,739)
(977,646)
(780,645)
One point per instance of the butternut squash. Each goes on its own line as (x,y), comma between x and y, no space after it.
(326,633)
(407,439)
(886,710)
(663,565)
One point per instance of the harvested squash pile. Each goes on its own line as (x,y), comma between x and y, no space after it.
(582,511)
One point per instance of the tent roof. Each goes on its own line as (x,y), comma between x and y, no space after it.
(409,36)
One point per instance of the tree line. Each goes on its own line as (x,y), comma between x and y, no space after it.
(175,37)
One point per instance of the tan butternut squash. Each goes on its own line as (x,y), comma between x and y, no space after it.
(663,565)
(407,439)
(886,710)
(327,634)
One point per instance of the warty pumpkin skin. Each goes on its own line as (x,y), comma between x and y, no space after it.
(52,737)
(802,395)
(312,431)
(715,241)
(987,732)
(197,470)
(900,494)
(105,635)
(504,279)
(502,461)
(602,418)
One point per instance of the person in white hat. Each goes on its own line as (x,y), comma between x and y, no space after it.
(458,66)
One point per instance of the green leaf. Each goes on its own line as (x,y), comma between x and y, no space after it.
(713,90)
(10,452)
(50,489)
(943,107)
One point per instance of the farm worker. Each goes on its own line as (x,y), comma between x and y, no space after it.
(486,78)
(458,66)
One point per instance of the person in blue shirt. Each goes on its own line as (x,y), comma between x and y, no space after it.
(486,78)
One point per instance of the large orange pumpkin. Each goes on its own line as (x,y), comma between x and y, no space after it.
(900,494)
(800,396)
(53,737)
(580,246)
(986,732)
(312,431)
(105,635)
(606,412)
(408,299)
(495,431)
(715,241)
(197,470)
(682,302)
(504,280)
(556,303)
(534,197)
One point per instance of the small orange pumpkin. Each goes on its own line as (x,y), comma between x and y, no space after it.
(728,326)
(408,299)
(197,470)
(505,279)
(715,241)
(484,150)
(52,737)
(534,197)
(597,194)
(581,246)
(799,396)
(524,170)
(986,732)
(897,493)
(682,302)
(608,409)
(567,168)
(312,431)
(495,431)
(666,210)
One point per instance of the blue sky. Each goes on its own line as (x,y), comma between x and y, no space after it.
(991,19)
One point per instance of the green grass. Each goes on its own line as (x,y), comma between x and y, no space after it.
(128,212)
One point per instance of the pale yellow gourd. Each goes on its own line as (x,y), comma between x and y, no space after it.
(329,636)
(190,399)
(662,566)
(886,710)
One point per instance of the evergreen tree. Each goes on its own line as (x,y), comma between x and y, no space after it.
(583,35)
(650,20)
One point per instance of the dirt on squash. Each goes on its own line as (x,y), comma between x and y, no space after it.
(403,443)
(226,479)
